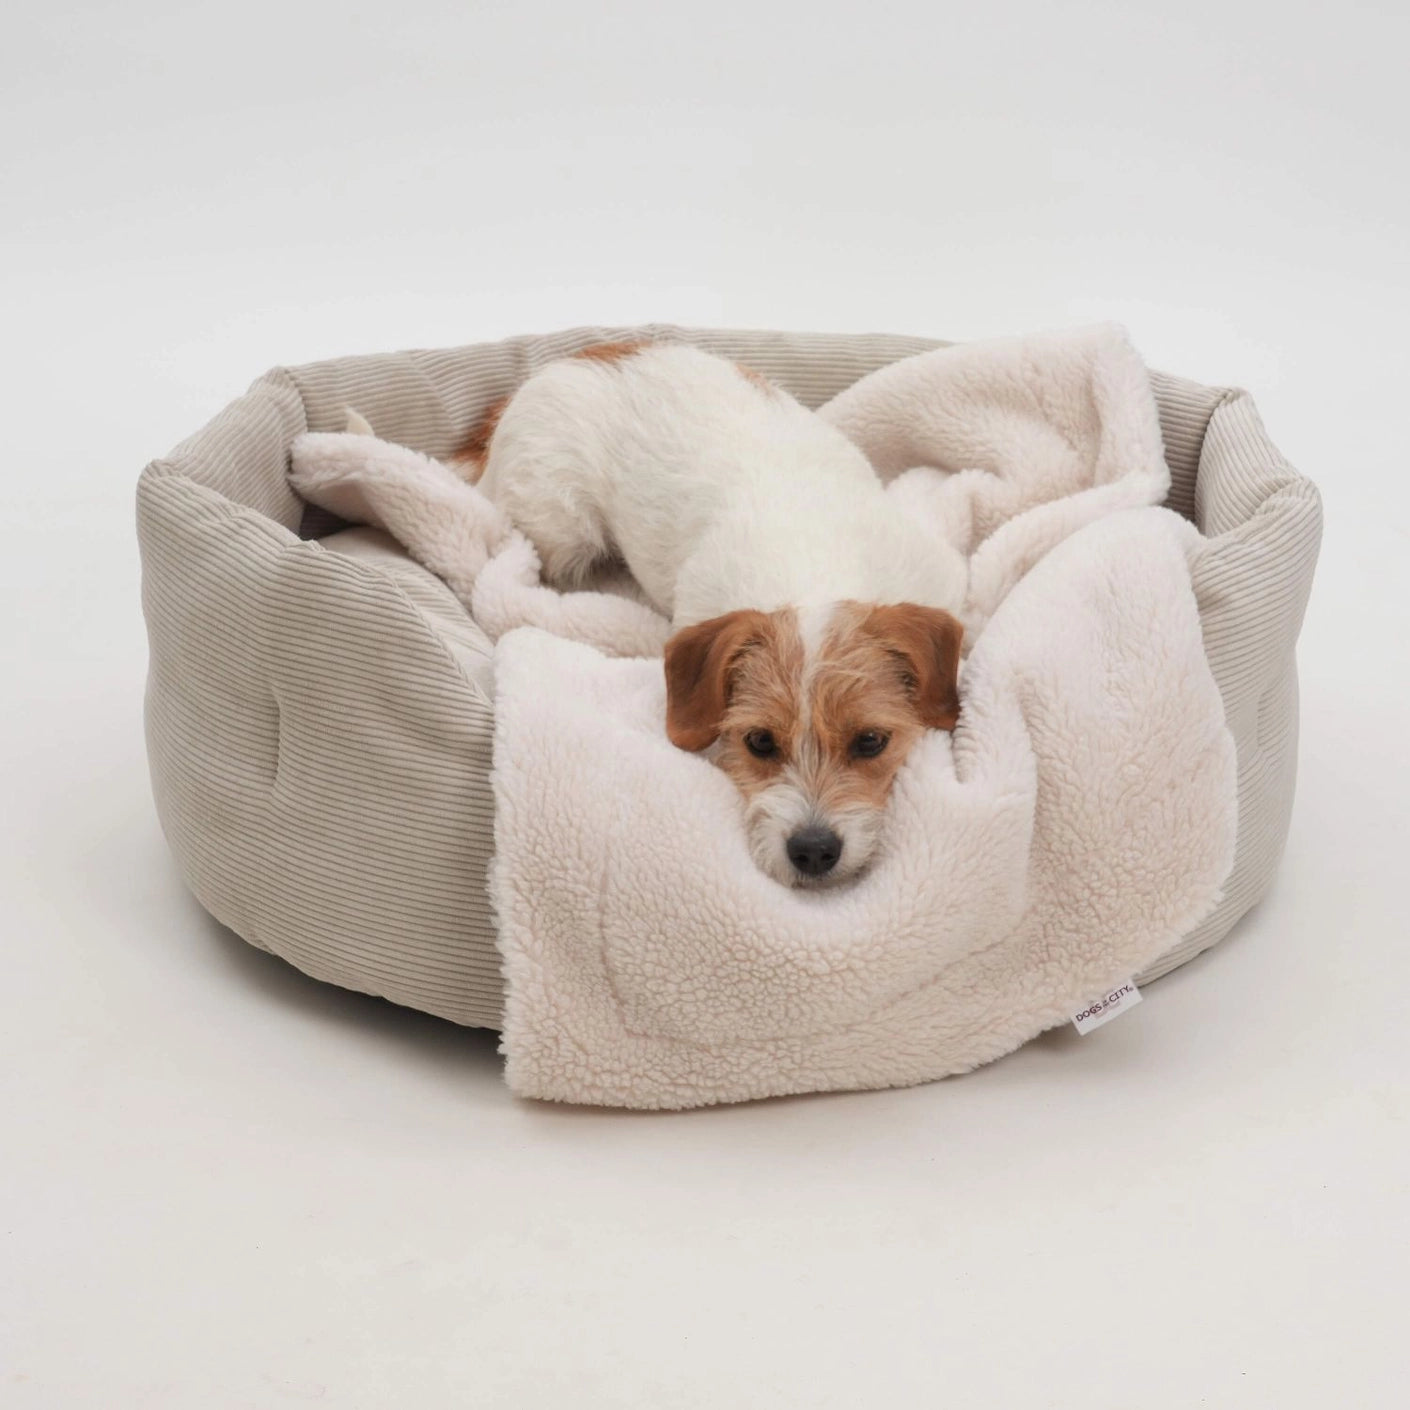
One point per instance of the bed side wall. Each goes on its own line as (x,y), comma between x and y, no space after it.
(319,742)
(1262,523)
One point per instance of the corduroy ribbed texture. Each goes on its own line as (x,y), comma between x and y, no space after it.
(319,714)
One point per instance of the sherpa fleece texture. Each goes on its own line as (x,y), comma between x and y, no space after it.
(1078,822)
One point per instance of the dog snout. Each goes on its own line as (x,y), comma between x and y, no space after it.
(814,851)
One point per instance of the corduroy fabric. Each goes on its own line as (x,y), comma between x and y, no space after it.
(319,713)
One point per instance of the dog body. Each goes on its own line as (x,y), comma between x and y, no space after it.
(717,490)
(813,637)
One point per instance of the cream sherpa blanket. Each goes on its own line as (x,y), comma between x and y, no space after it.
(1077,823)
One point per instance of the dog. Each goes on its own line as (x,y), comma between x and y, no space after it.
(814,637)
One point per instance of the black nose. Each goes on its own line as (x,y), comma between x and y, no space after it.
(814,850)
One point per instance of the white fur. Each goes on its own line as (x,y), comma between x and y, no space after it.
(813,622)
(716,492)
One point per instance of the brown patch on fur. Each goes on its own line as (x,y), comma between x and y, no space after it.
(928,641)
(609,352)
(470,456)
(859,687)
(702,665)
(765,693)
(756,379)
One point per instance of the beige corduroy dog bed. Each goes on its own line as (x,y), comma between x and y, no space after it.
(320,707)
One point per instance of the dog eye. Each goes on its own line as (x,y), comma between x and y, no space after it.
(761,743)
(869,743)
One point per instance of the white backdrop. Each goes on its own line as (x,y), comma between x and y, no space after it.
(225,1185)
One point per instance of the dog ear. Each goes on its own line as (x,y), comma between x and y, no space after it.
(698,668)
(927,641)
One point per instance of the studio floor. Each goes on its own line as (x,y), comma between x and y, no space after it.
(226,1185)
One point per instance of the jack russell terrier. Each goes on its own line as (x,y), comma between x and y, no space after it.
(814,641)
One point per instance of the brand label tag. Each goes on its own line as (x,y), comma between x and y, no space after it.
(1117,999)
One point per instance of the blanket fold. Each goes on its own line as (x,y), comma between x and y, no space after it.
(1077,823)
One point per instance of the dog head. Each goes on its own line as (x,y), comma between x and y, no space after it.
(811,711)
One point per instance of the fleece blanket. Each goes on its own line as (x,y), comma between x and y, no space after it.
(1079,821)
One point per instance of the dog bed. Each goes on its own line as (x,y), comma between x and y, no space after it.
(320,708)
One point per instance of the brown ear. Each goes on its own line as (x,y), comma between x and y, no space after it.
(698,662)
(928,641)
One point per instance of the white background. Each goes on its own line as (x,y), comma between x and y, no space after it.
(226,1185)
